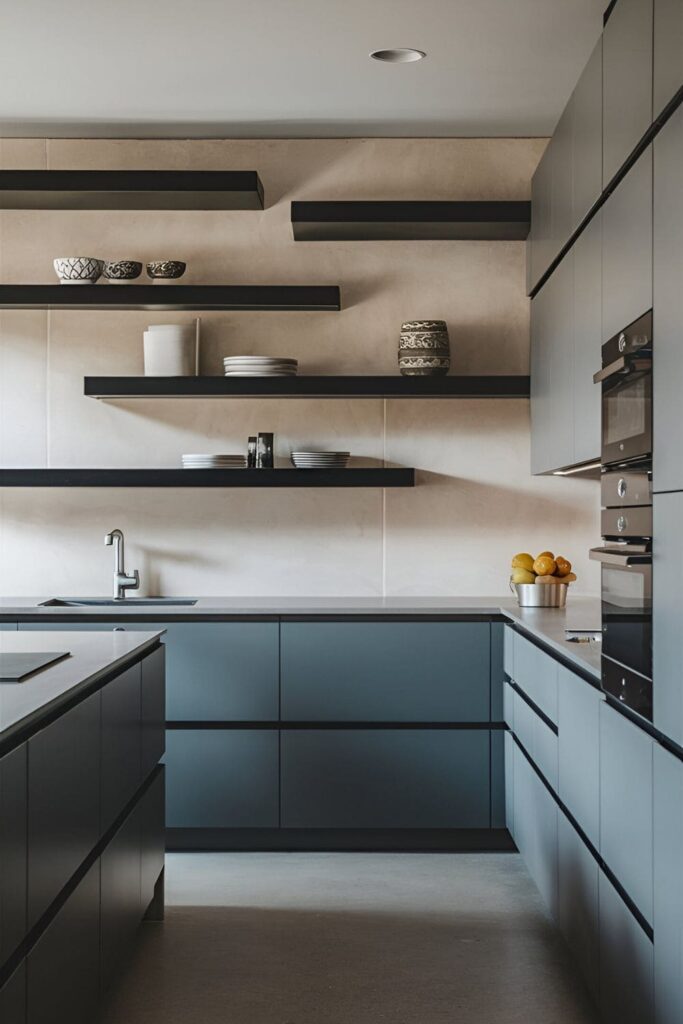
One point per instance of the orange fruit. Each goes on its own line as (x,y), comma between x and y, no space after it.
(564,567)
(545,566)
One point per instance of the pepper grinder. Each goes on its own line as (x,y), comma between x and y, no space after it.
(264,451)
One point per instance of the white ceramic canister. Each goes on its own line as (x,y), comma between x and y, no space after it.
(171,350)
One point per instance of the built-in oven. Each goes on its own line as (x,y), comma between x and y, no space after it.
(626,380)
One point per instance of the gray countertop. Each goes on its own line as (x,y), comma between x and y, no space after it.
(93,655)
(547,625)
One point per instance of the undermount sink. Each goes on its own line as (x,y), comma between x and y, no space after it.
(112,602)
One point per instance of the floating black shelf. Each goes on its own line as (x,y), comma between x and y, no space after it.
(159,298)
(307,387)
(410,221)
(366,477)
(130,190)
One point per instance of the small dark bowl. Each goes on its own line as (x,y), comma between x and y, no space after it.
(166,269)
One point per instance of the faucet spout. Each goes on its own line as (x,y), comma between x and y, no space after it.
(122,580)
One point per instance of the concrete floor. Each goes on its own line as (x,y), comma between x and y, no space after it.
(349,938)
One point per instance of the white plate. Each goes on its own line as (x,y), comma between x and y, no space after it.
(260,359)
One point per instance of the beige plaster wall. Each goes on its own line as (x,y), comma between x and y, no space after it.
(476,502)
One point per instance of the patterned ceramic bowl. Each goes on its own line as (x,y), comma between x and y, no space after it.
(424,349)
(122,270)
(166,270)
(78,269)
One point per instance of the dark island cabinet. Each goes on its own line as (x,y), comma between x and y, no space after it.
(13,997)
(63,801)
(152,710)
(668,52)
(12,850)
(627,81)
(121,743)
(120,866)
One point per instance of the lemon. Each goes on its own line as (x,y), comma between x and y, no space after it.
(545,554)
(564,567)
(520,575)
(523,561)
(545,566)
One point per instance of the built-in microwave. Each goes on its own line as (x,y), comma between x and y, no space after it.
(626,380)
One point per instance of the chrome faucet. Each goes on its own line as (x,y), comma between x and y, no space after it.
(122,582)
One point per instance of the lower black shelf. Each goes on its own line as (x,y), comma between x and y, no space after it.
(365,477)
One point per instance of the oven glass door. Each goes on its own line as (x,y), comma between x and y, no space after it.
(627,417)
(627,616)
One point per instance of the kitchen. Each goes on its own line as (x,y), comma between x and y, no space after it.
(319,648)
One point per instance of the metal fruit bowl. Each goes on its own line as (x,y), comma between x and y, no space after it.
(541,595)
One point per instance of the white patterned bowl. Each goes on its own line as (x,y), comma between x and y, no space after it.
(78,269)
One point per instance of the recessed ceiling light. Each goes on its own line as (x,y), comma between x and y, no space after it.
(402,55)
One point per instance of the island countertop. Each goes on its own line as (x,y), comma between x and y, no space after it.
(93,658)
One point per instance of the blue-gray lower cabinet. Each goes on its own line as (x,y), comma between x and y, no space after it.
(385,671)
(537,738)
(8,625)
(13,853)
(509,783)
(626,962)
(497,778)
(63,801)
(578,914)
(626,805)
(668,886)
(63,968)
(13,997)
(536,673)
(535,819)
(579,751)
(222,778)
(385,778)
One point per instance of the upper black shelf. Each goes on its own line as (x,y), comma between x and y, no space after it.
(307,387)
(158,297)
(410,221)
(362,477)
(130,190)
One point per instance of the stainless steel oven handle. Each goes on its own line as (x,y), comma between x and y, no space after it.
(621,367)
(610,556)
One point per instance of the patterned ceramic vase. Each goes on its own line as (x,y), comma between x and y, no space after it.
(424,350)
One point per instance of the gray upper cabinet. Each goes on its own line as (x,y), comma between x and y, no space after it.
(668,52)
(385,671)
(12,850)
(587,138)
(627,81)
(587,317)
(627,246)
(626,805)
(579,752)
(667,650)
(562,150)
(668,857)
(540,243)
(668,304)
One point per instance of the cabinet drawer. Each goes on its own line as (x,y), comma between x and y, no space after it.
(385,671)
(388,778)
(539,741)
(509,651)
(222,778)
(13,998)
(626,821)
(12,851)
(535,819)
(63,968)
(509,706)
(579,751)
(120,896)
(153,710)
(536,674)
(578,916)
(626,961)
(152,814)
(63,801)
(121,737)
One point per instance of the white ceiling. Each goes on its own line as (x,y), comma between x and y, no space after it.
(258,68)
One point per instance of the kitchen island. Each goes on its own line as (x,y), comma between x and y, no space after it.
(81,817)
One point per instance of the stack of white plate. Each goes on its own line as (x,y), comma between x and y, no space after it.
(214,461)
(320,460)
(259,366)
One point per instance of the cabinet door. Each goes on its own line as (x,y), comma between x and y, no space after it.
(535,818)
(8,626)
(626,962)
(151,811)
(667,650)
(13,998)
(385,671)
(579,752)
(668,886)
(539,741)
(121,736)
(497,671)
(536,673)
(562,145)
(120,896)
(153,710)
(222,778)
(63,801)
(509,651)
(539,245)
(578,915)
(63,968)
(403,778)
(626,805)
(668,52)
(552,343)
(627,81)
(587,148)
(497,778)
(510,783)
(587,341)
(627,249)
(668,305)
(13,806)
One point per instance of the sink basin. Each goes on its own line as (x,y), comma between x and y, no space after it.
(111,602)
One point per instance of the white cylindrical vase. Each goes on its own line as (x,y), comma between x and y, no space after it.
(171,350)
